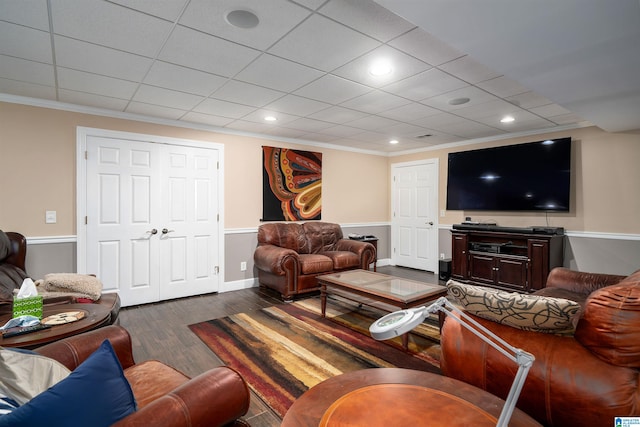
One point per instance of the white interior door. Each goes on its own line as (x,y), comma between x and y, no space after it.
(152,223)
(414,225)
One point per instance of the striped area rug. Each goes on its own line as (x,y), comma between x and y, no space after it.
(284,350)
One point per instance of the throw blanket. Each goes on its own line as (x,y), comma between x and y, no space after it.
(76,285)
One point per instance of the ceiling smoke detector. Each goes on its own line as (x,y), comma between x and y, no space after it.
(242,19)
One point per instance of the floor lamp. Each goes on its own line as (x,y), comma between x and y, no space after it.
(403,321)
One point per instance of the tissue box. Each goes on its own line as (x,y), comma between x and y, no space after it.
(30,306)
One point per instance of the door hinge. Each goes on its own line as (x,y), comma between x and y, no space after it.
(218,165)
(86,220)
(218,217)
(216,270)
(86,155)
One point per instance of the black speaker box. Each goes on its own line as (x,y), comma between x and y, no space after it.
(444,267)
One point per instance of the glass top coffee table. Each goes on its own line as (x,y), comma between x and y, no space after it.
(370,288)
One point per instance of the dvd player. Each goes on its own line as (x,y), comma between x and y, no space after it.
(559,231)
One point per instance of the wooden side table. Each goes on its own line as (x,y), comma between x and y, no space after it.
(96,316)
(399,397)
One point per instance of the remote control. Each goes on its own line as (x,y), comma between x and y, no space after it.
(26,330)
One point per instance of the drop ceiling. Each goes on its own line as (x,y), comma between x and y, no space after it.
(306,63)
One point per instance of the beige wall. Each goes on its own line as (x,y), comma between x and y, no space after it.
(605,183)
(38,164)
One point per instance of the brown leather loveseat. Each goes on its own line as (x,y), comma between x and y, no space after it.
(165,396)
(586,379)
(290,256)
(13,255)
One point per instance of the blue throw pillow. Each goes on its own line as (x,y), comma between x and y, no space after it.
(95,394)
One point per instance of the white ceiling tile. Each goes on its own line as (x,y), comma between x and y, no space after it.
(245,126)
(496,108)
(221,108)
(32,90)
(469,129)
(341,131)
(183,79)
(520,116)
(367,17)
(425,47)
(26,71)
(204,52)
(524,125)
(165,9)
(155,110)
(528,100)
(565,119)
(469,70)
(549,110)
(258,116)
(425,85)
(332,89)
(167,98)
(312,136)
(311,4)
(476,96)
(32,13)
(436,121)
(337,114)
(93,83)
(308,125)
(408,112)
(91,100)
(26,43)
(277,73)
(372,122)
(276,18)
(206,119)
(110,25)
(323,44)
(287,133)
(403,66)
(297,105)
(502,87)
(405,130)
(100,60)
(247,94)
(375,102)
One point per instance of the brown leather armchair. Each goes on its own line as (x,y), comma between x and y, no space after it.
(586,379)
(13,272)
(165,397)
(290,256)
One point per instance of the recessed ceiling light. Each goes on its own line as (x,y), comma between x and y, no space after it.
(242,19)
(459,101)
(270,119)
(507,119)
(381,67)
(393,141)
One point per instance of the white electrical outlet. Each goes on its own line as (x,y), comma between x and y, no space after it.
(442,255)
(442,212)
(243,266)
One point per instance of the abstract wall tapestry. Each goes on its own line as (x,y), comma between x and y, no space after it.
(292,184)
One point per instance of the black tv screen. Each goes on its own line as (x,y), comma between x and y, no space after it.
(524,177)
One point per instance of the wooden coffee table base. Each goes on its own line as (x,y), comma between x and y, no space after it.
(397,397)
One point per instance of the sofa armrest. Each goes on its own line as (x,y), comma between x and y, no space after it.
(214,398)
(580,282)
(72,351)
(276,260)
(366,251)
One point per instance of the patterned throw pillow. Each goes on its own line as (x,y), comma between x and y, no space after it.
(521,311)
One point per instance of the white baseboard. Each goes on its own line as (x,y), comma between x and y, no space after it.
(237,285)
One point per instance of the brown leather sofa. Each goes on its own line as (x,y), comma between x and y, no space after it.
(290,256)
(586,379)
(13,255)
(165,397)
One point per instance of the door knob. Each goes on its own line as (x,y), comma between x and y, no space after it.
(430,223)
(165,231)
(153,231)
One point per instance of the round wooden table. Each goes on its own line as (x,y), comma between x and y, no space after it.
(397,397)
(96,315)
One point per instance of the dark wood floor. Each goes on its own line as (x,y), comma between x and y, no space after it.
(159,331)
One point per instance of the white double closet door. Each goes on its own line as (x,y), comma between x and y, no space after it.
(152,217)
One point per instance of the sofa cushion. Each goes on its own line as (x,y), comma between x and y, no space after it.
(609,325)
(521,311)
(321,236)
(95,394)
(5,245)
(343,259)
(284,235)
(314,264)
(165,379)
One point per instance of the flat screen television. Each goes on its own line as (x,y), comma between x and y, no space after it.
(523,177)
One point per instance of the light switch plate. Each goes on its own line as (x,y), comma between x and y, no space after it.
(50,217)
